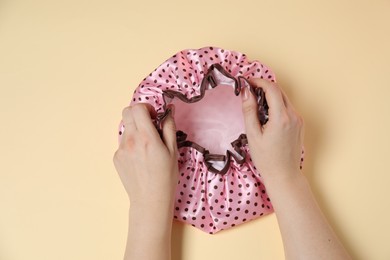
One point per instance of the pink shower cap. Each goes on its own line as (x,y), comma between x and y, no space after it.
(219,187)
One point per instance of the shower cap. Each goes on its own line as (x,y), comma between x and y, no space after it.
(219,187)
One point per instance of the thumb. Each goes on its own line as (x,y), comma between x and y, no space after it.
(249,109)
(169,130)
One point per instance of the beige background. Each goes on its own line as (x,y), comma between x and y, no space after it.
(67,68)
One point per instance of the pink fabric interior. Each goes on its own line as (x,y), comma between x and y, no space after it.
(213,122)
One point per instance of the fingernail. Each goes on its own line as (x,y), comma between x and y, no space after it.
(244,93)
(172,110)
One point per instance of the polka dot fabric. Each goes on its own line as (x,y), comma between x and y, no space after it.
(214,202)
(208,197)
(185,71)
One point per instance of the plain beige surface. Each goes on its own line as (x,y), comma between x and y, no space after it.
(67,68)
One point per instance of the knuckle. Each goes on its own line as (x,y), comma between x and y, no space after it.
(301,120)
(274,85)
(126,111)
(119,155)
(127,143)
(169,125)
(123,154)
(248,109)
(285,120)
(276,91)
(139,106)
(296,119)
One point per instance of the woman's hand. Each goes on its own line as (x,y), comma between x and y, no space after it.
(146,164)
(148,169)
(276,152)
(275,147)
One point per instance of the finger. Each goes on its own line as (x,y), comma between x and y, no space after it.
(169,131)
(249,109)
(273,95)
(286,100)
(142,118)
(129,127)
(128,120)
(291,110)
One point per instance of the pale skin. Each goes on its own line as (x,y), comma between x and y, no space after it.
(145,163)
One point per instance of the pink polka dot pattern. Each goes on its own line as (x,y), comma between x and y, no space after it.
(205,198)
(185,71)
(214,202)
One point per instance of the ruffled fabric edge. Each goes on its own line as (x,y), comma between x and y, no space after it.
(187,75)
(237,144)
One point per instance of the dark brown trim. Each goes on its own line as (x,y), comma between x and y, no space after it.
(241,141)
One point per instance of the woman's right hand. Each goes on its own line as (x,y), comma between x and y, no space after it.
(276,151)
(276,146)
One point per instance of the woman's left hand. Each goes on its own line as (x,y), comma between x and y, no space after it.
(147,165)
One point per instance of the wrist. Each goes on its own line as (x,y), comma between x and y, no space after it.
(287,191)
(150,208)
(151,218)
(289,180)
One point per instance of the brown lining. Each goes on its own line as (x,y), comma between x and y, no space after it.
(236,144)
